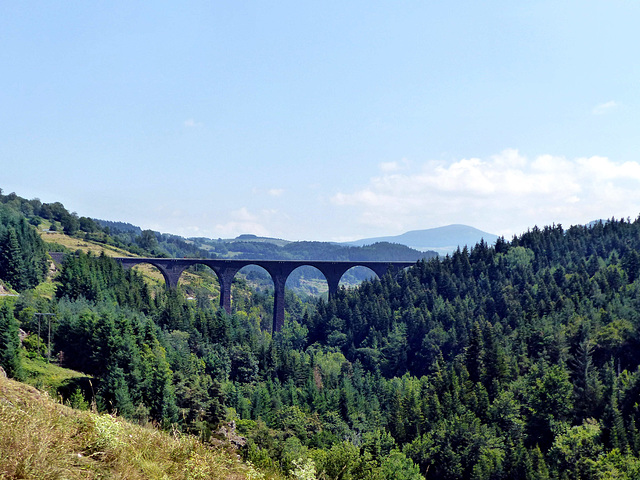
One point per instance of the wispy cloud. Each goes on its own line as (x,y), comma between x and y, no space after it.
(505,190)
(604,107)
(394,166)
(243,221)
(389,166)
(272,192)
(191,123)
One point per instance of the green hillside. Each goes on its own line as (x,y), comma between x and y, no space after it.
(304,281)
(513,361)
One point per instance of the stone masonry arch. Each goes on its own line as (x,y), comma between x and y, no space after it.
(279,270)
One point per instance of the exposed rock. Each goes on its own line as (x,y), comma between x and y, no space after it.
(22,334)
(226,433)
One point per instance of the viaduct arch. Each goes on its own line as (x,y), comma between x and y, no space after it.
(279,270)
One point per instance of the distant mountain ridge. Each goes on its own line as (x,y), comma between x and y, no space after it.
(440,239)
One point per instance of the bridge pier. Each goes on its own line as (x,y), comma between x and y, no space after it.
(278,302)
(225,277)
(333,273)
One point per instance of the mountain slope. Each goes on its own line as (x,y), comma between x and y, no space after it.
(441,239)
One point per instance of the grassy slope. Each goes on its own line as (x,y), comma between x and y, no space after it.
(39,372)
(96,248)
(86,246)
(42,439)
(150,273)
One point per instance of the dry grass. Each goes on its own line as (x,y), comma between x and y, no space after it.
(150,273)
(41,439)
(85,245)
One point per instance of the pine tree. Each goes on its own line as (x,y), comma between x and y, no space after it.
(9,343)
(474,355)
(11,262)
(157,390)
(540,471)
(113,394)
(587,388)
(615,422)
(493,359)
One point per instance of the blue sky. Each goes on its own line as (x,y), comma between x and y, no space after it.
(323,120)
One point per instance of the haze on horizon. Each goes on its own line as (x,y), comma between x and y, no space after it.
(326,121)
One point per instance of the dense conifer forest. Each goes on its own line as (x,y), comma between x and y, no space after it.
(518,360)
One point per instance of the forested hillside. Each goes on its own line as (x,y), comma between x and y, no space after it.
(252,247)
(514,361)
(304,281)
(130,239)
(519,361)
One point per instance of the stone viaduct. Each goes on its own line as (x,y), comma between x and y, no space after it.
(226,269)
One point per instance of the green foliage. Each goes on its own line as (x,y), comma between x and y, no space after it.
(77,400)
(575,449)
(23,258)
(9,342)
(102,278)
(397,466)
(514,361)
(305,469)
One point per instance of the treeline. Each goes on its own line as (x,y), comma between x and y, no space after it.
(300,279)
(152,243)
(156,244)
(35,211)
(23,256)
(118,234)
(382,251)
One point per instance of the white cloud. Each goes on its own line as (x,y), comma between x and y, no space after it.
(191,123)
(389,166)
(506,192)
(243,221)
(395,166)
(272,192)
(604,107)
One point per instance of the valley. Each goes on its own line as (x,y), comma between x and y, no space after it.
(517,359)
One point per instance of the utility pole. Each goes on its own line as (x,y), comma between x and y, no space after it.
(49,315)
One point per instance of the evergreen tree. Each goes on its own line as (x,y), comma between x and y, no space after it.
(113,393)
(587,388)
(474,355)
(11,261)
(9,342)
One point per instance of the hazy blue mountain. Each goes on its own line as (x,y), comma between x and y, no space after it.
(441,239)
